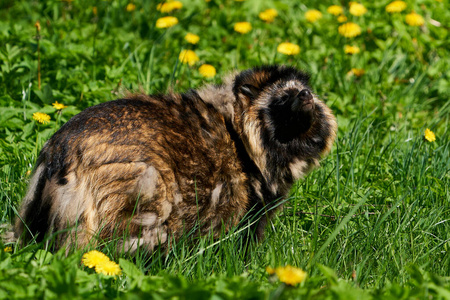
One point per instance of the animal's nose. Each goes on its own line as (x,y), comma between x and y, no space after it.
(303,101)
(305,95)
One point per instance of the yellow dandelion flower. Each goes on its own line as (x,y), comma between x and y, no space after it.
(351,49)
(131,7)
(335,10)
(207,71)
(270,270)
(288,48)
(356,72)
(396,7)
(429,135)
(290,275)
(37,25)
(313,15)
(188,57)
(414,19)
(108,268)
(41,117)
(342,19)
(166,22)
(242,27)
(8,249)
(93,258)
(192,38)
(357,9)
(169,6)
(268,15)
(58,105)
(349,30)
(176,4)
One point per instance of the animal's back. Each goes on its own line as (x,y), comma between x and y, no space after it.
(143,168)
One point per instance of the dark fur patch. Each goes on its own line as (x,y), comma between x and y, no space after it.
(264,76)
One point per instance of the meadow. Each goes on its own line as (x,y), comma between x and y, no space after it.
(372,223)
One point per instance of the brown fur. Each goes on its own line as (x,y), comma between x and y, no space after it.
(152,168)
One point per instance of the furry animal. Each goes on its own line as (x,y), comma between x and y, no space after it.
(146,169)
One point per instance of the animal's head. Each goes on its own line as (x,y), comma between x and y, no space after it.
(276,107)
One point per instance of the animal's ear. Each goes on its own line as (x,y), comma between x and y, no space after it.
(249,90)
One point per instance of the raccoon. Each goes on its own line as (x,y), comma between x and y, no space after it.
(146,169)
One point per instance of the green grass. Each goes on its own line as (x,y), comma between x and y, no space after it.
(372,222)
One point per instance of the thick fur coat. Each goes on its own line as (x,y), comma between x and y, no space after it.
(146,169)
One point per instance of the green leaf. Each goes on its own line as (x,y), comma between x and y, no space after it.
(130,269)
(7,113)
(43,257)
(329,273)
(46,94)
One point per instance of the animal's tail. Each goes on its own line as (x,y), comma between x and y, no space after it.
(32,219)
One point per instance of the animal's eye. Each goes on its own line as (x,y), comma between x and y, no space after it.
(285,98)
